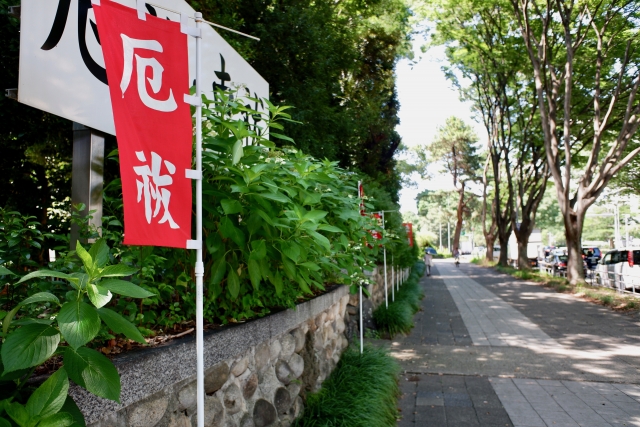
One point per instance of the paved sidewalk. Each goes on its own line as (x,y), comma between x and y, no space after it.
(489,350)
(450,401)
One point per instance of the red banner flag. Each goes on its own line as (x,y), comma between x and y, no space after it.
(409,228)
(148,73)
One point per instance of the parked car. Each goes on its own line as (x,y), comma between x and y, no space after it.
(591,256)
(620,269)
(556,262)
(496,252)
(594,251)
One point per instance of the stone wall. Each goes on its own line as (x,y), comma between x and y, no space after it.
(376,297)
(257,373)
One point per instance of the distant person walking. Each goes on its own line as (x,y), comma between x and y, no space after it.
(428,261)
(456,256)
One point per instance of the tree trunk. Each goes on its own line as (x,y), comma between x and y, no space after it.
(460,212)
(523,259)
(503,237)
(490,239)
(573,224)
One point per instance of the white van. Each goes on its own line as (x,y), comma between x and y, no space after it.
(620,269)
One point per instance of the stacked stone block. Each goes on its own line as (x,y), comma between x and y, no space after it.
(263,386)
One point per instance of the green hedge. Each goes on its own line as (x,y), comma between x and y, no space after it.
(361,392)
(398,317)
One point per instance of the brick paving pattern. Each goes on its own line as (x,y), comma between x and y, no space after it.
(450,401)
(561,361)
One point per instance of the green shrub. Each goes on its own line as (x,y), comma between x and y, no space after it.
(398,317)
(361,392)
(606,299)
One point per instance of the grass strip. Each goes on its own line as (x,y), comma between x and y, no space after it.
(398,317)
(595,294)
(361,392)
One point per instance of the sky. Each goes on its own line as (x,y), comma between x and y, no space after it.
(427,99)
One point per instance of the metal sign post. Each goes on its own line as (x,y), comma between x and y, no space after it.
(384,249)
(199,267)
(360,286)
(393,288)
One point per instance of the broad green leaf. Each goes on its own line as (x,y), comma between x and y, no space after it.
(47,273)
(311,266)
(344,240)
(237,152)
(314,215)
(78,322)
(264,216)
(98,295)
(118,270)
(278,197)
(218,271)
(28,321)
(99,252)
(303,285)
(4,423)
(86,259)
(12,376)
(277,283)
(291,250)
(48,399)
(254,273)
(18,413)
(40,297)
(8,318)
(128,289)
(93,371)
(72,409)
(5,271)
(120,325)
(330,228)
(230,231)
(259,250)
(214,242)
(233,283)
(61,419)
(29,346)
(289,268)
(230,206)
(320,239)
(311,198)
(281,136)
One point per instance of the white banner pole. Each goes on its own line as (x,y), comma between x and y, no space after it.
(360,288)
(393,288)
(384,248)
(393,276)
(361,324)
(199,270)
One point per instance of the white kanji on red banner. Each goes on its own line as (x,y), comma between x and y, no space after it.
(129,45)
(152,187)
(148,74)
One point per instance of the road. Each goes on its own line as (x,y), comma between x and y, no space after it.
(491,350)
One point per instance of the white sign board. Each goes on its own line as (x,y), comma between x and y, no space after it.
(62,68)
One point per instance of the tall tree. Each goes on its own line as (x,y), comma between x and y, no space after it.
(586,66)
(454,147)
(490,233)
(483,50)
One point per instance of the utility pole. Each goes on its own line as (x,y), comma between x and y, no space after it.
(626,229)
